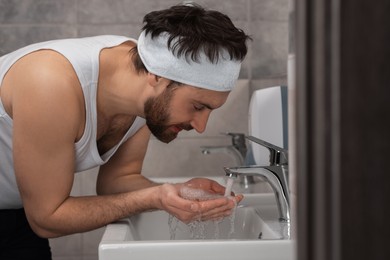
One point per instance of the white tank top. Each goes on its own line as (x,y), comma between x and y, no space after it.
(83,54)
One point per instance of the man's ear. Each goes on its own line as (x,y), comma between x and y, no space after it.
(157,82)
(153,79)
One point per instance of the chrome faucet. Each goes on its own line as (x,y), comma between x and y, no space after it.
(275,174)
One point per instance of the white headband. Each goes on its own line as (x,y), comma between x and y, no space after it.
(159,60)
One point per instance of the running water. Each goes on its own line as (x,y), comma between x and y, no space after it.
(217,229)
(172,223)
(229,185)
(198,229)
(228,192)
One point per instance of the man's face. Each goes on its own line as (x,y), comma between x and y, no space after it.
(178,108)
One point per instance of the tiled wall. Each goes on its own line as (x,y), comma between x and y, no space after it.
(28,21)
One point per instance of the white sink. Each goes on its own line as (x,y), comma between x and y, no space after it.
(148,235)
(154,226)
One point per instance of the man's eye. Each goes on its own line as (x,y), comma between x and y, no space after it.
(198,107)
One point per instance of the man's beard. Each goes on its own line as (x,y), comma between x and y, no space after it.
(157,117)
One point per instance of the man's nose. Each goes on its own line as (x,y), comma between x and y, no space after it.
(199,121)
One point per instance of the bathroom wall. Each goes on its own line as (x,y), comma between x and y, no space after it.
(28,21)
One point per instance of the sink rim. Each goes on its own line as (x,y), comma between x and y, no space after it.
(226,249)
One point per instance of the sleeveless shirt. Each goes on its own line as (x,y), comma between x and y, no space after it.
(83,54)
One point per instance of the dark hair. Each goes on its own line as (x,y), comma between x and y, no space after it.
(137,62)
(193,29)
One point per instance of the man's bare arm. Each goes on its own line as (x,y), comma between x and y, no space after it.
(46,113)
(122,173)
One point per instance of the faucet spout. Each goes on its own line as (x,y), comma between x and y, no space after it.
(278,155)
(275,176)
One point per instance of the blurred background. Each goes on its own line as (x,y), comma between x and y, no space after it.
(23,22)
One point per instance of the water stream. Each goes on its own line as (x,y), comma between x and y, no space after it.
(198,228)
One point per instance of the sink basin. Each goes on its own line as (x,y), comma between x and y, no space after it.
(154,226)
(254,233)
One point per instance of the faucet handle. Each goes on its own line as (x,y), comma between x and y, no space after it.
(278,155)
(236,136)
(238,141)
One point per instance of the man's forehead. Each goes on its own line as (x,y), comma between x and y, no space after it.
(209,98)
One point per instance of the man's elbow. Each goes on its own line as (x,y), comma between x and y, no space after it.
(41,229)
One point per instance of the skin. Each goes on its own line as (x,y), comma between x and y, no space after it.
(47,107)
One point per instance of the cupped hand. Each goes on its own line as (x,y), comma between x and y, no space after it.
(188,210)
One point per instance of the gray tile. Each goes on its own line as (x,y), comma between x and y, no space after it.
(77,186)
(14,37)
(88,181)
(66,246)
(183,157)
(37,11)
(268,82)
(270,49)
(245,70)
(119,11)
(129,30)
(91,242)
(245,66)
(133,11)
(235,9)
(270,10)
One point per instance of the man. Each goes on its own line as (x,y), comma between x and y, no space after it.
(70,105)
